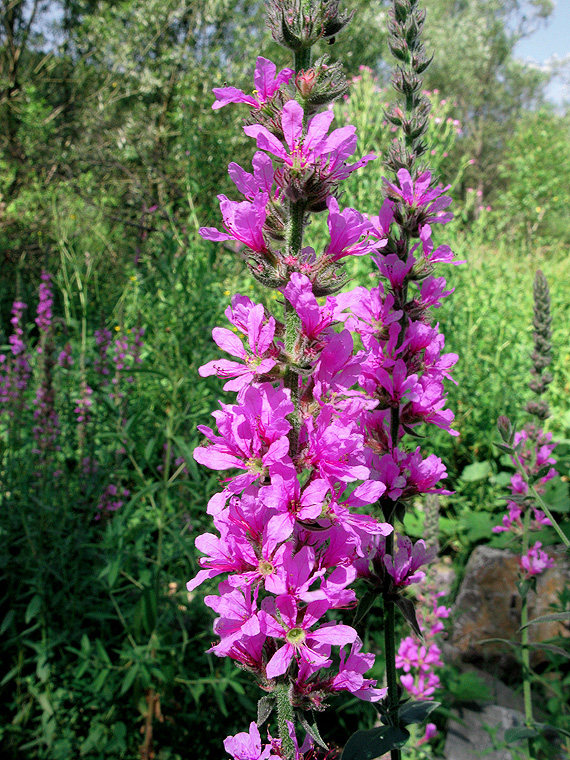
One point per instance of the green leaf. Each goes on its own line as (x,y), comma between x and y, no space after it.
(33,608)
(368,745)
(312,730)
(408,610)
(553,617)
(479,525)
(100,680)
(518,733)
(149,609)
(556,495)
(187,453)
(149,449)
(10,674)
(7,622)
(264,709)
(476,471)
(416,712)
(469,687)
(45,704)
(102,652)
(502,478)
(128,679)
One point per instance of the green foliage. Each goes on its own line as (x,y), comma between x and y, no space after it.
(533,196)
(106,178)
(99,635)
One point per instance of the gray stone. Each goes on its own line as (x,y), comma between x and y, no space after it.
(473,734)
(488,607)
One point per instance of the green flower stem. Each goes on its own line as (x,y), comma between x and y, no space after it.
(302,60)
(294,244)
(293,323)
(284,715)
(543,506)
(390,650)
(548,513)
(525,653)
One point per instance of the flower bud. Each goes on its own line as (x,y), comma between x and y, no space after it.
(505,428)
(305,82)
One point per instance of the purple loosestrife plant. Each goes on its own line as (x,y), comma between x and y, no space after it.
(16,369)
(46,418)
(315,436)
(531,452)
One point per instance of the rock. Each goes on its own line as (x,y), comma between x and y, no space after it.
(488,607)
(477,728)
(472,734)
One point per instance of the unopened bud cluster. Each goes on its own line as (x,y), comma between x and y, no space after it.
(299,24)
(405,27)
(541,356)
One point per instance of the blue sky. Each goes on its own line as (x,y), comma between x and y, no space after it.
(551,39)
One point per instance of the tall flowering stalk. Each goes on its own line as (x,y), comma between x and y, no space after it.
(46,418)
(16,368)
(531,452)
(316,433)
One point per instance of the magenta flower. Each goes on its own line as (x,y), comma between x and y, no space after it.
(441,254)
(422,685)
(372,311)
(423,475)
(238,619)
(433,290)
(421,196)
(350,676)
(335,448)
(283,619)
(381,224)
(413,654)
(65,359)
(290,502)
(394,269)
(258,361)
(316,147)
(408,558)
(430,732)
(400,385)
(296,574)
(253,435)
(45,303)
(428,406)
(225,554)
(261,181)
(346,229)
(267,83)
(243,221)
(535,561)
(336,372)
(247,746)
(316,321)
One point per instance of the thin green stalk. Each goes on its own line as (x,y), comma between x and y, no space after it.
(302,60)
(543,506)
(390,651)
(548,513)
(294,243)
(525,652)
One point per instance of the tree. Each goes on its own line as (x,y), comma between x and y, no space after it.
(475,67)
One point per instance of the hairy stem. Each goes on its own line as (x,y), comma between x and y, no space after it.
(285,716)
